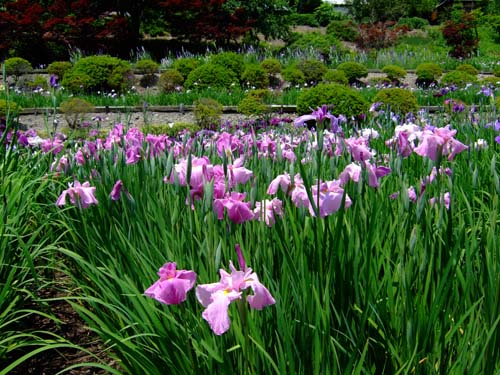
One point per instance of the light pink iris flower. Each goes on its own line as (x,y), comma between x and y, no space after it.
(439,141)
(238,211)
(267,210)
(173,285)
(330,198)
(217,297)
(78,193)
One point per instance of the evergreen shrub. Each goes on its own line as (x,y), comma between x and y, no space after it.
(397,100)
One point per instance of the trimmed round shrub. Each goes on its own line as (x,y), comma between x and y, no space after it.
(313,70)
(99,73)
(170,80)
(255,76)
(272,66)
(458,78)
(17,66)
(146,66)
(397,100)
(428,73)
(344,30)
(253,103)
(229,60)
(413,22)
(468,68)
(38,82)
(211,75)
(326,12)
(354,71)
(335,76)
(394,72)
(207,113)
(59,68)
(9,107)
(74,109)
(293,76)
(186,65)
(345,100)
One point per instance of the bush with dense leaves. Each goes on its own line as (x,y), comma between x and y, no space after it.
(99,73)
(293,76)
(17,66)
(303,19)
(170,80)
(326,13)
(345,100)
(377,35)
(271,65)
(496,71)
(9,108)
(253,103)
(146,66)
(229,60)
(74,109)
(413,22)
(186,65)
(59,68)
(313,70)
(335,76)
(345,30)
(468,68)
(460,33)
(354,71)
(207,113)
(255,76)
(397,100)
(428,73)
(394,73)
(211,75)
(458,78)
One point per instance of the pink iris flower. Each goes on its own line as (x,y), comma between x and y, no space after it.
(237,210)
(439,141)
(267,210)
(173,285)
(358,147)
(116,191)
(217,297)
(83,194)
(330,198)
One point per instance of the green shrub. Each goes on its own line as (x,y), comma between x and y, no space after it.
(36,83)
(325,13)
(186,65)
(335,76)
(271,65)
(491,81)
(397,100)
(314,40)
(74,110)
(208,113)
(170,80)
(253,103)
(354,71)
(171,130)
(99,73)
(345,101)
(293,76)
(394,72)
(59,68)
(343,30)
(468,68)
(255,76)
(457,78)
(17,66)
(9,107)
(211,75)
(428,73)
(313,70)
(413,22)
(496,71)
(146,66)
(303,19)
(229,60)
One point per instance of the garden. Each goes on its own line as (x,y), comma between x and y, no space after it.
(344,220)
